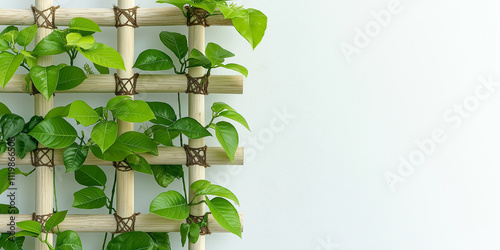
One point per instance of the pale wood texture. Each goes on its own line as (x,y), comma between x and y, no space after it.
(197,111)
(219,84)
(97,223)
(125,180)
(167,155)
(164,16)
(44,188)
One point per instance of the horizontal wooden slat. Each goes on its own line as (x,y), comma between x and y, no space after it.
(167,156)
(219,84)
(106,223)
(161,16)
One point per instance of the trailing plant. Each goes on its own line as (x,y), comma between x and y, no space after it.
(250,23)
(76,39)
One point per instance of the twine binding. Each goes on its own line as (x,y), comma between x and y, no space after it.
(122,166)
(197,85)
(196,156)
(197,16)
(126,86)
(130,14)
(44,20)
(197,219)
(42,219)
(125,224)
(42,157)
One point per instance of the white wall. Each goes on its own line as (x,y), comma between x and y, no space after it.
(318,180)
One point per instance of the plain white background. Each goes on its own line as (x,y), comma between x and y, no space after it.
(361,92)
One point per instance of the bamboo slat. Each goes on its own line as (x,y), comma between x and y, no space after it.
(167,156)
(44,189)
(219,84)
(161,16)
(102,223)
(197,111)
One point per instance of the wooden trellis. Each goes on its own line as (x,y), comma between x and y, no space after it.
(106,84)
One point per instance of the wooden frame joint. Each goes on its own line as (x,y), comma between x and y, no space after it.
(196,156)
(197,16)
(126,86)
(122,166)
(197,85)
(44,20)
(197,219)
(130,14)
(125,224)
(43,157)
(42,219)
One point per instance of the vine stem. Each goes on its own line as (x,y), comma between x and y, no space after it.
(180,137)
(54,183)
(110,208)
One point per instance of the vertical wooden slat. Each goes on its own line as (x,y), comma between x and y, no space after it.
(44,191)
(197,111)
(125,180)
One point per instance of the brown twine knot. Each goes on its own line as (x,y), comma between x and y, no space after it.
(197,219)
(196,156)
(197,85)
(126,86)
(197,16)
(43,157)
(130,14)
(42,219)
(43,20)
(122,166)
(125,224)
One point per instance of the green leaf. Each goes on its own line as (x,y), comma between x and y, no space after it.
(3,147)
(26,35)
(90,175)
(68,240)
(70,77)
(166,174)
(45,79)
(4,109)
(32,123)
(197,59)
(175,42)
(52,44)
(117,152)
(184,233)
(54,133)
(252,25)
(74,157)
(25,233)
(104,134)
(229,11)
(208,6)
(114,102)
(178,3)
(8,209)
(163,112)
(132,241)
(161,239)
(30,226)
(24,144)
(104,55)
(228,137)
(80,23)
(58,112)
(194,233)
(77,40)
(83,113)
(55,220)
(4,45)
(4,180)
(164,137)
(89,198)
(170,205)
(11,35)
(236,67)
(233,115)
(14,245)
(153,60)
(139,164)
(11,125)
(203,187)
(217,54)
(225,214)
(191,128)
(138,142)
(9,63)
(134,111)
(103,70)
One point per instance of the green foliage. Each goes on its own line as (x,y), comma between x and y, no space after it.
(54,133)
(90,175)
(225,214)
(89,198)
(132,241)
(170,205)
